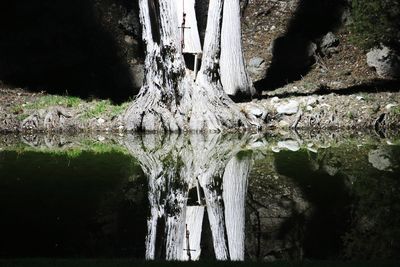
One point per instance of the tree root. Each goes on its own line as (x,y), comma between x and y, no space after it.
(46,120)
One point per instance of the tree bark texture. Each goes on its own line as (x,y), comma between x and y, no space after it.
(176,163)
(170,100)
(234,76)
(235,187)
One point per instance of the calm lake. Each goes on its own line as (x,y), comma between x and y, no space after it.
(264,197)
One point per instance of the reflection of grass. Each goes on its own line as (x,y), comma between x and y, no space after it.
(74,151)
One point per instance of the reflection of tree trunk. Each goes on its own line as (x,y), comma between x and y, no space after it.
(194,222)
(216,218)
(234,195)
(172,164)
(175,222)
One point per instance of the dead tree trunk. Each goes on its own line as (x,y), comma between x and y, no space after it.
(234,76)
(169,100)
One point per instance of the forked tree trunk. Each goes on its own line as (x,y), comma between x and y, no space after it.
(169,99)
(234,76)
(173,164)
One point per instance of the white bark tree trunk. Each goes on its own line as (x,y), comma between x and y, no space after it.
(234,76)
(235,187)
(169,100)
(194,222)
(173,164)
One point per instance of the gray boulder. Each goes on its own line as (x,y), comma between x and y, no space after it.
(289,108)
(385,61)
(257,68)
(291,145)
(329,44)
(256,62)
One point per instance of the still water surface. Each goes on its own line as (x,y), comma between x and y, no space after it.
(226,197)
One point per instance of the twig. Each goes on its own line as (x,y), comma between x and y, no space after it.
(298,118)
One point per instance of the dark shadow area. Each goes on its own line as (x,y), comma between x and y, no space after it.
(201,8)
(241,97)
(330,198)
(64,47)
(373,86)
(189,61)
(72,207)
(292,53)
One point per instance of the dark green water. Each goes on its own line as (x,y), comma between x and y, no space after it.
(336,202)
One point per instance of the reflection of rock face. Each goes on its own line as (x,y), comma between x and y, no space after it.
(173,165)
(380,159)
(275,201)
(297,200)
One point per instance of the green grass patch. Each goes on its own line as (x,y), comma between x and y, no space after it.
(99,108)
(54,100)
(375,22)
(395,110)
(88,110)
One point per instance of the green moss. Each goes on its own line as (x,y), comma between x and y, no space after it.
(244,154)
